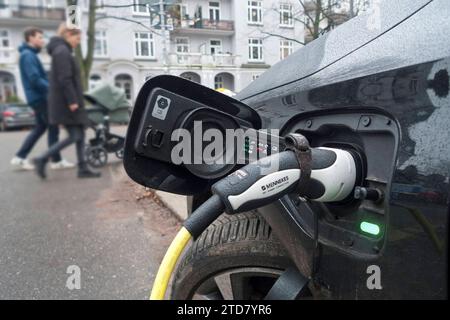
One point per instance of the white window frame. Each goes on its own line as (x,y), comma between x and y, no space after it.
(218,82)
(182,56)
(286,8)
(286,45)
(179,45)
(6,52)
(103,39)
(216,11)
(136,9)
(7,37)
(258,6)
(138,45)
(219,48)
(259,45)
(126,86)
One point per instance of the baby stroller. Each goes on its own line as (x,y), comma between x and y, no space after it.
(108,105)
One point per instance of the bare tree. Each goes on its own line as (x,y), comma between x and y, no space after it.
(86,61)
(321,16)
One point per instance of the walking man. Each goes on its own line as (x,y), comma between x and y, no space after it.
(35,83)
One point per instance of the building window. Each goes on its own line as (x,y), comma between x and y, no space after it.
(140,7)
(94,81)
(215,46)
(191,76)
(184,11)
(255,49)
(144,45)
(182,44)
(218,82)
(101,44)
(254,12)
(4,39)
(8,90)
(5,46)
(286,48)
(214,11)
(286,15)
(182,49)
(125,82)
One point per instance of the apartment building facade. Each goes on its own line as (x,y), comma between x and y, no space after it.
(218,43)
(15,16)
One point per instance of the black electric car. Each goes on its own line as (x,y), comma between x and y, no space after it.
(377,86)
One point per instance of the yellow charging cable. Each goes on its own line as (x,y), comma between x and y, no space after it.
(193,227)
(168,264)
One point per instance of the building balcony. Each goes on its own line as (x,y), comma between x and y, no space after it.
(29,12)
(24,15)
(204,26)
(204,60)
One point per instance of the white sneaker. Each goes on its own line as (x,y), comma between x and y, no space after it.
(61,165)
(21,164)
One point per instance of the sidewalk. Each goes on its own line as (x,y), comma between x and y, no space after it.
(176,203)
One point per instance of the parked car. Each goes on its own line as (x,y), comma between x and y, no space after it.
(16,116)
(377,87)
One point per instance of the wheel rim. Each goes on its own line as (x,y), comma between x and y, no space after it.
(97,157)
(247,283)
(119,153)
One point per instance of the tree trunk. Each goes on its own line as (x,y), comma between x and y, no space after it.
(317,18)
(352,8)
(86,61)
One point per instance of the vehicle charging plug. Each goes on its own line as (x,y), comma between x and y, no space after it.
(330,177)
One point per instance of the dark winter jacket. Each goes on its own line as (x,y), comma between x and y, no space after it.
(65,85)
(34,77)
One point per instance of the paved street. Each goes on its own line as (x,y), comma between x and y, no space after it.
(109,227)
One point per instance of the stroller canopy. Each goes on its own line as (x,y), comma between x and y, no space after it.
(108,96)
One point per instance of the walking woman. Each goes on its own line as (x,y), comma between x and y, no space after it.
(65,100)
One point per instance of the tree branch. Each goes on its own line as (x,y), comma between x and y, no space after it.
(90,35)
(128,20)
(270,34)
(305,11)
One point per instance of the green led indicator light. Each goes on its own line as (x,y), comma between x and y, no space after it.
(370,228)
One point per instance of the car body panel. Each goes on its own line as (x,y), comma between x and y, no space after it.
(23,116)
(403,73)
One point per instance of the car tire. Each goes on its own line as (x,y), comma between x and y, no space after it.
(242,242)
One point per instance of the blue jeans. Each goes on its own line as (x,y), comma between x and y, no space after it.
(39,129)
(76,136)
